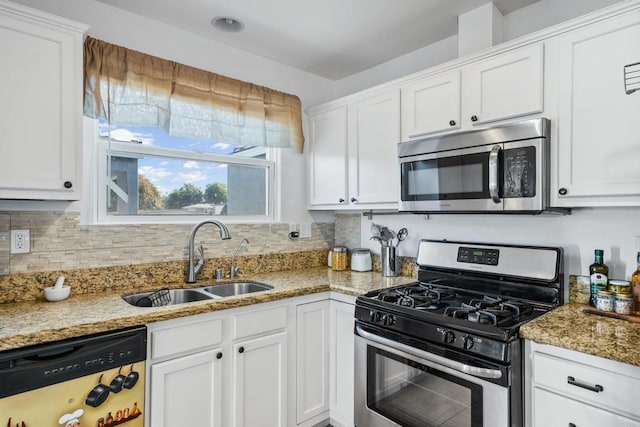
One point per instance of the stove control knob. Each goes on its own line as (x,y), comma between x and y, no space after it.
(389,319)
(467,342)
(374,315)
(448,337)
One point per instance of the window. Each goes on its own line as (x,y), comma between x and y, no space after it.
(156,177)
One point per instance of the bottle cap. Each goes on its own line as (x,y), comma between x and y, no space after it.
(599,252)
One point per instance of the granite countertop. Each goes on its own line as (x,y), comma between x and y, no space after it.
(569,328)
(33,322)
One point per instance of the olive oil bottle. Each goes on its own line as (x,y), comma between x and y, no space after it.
(635,288)
(599,273)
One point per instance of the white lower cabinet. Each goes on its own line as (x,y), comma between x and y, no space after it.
(312,363)
(341,366)
(227,368)
(276,364)
(259,381)
(187,391)
(568,388)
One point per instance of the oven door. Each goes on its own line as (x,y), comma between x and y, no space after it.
(401,385)
(452,181)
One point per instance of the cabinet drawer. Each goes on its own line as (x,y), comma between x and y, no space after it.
(581,381)
(551,410)
(185,338)
(259,322)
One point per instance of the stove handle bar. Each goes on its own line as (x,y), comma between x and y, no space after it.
(457,366)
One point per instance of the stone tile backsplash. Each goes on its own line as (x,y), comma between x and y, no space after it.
(5,241)
(59,242)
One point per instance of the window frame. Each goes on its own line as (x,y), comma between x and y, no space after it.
(94,166)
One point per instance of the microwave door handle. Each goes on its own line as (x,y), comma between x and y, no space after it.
(493,174)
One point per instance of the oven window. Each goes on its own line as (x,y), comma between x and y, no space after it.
(459,177)
(415,395)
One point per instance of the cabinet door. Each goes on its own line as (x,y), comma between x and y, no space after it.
(374,134)
(342,358)
(328,157)
(552,409)
(312,396)
(598,139)
(505,86)
(40,112)
(187,391)
(260,380)
(430,105)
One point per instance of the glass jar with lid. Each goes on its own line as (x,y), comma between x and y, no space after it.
(623,303)
(604,300)
(339,258)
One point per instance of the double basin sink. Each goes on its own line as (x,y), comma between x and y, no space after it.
(181,296)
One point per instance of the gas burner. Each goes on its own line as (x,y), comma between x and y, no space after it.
(418,296)
(488,310)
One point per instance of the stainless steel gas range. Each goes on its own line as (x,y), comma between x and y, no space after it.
(444,351)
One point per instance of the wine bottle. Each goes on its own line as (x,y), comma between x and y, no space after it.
(635,287)
(599,273)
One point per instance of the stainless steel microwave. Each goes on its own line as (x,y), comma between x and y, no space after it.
(503,169)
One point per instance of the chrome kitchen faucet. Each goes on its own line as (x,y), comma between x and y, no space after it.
(194,270)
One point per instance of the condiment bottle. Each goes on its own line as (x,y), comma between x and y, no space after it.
(598,272)
(635,287)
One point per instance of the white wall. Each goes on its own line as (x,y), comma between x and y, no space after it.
(539,15)
(611,229)
(135,32)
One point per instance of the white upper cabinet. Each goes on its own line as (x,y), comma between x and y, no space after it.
(353,153)
(327,157)
(41,108)
(431,105)
(374,133)
(504,86)
(598,151)
(501,87)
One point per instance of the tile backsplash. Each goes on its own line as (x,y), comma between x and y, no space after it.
(5,241)
(58,242)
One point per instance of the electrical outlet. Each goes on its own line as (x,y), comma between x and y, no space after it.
(305,229)
(20,242)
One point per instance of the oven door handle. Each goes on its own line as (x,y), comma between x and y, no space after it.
(458,366)
(493,173)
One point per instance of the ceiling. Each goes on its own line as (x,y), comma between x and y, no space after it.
(329,38)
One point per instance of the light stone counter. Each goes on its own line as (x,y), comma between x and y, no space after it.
(569,328)
(32,322)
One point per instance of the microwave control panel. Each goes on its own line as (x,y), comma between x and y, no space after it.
(519,172)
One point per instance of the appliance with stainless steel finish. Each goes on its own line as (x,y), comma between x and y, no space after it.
(503,169)
(445,351)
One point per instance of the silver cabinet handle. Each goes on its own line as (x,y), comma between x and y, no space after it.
(493,174)
(460,367)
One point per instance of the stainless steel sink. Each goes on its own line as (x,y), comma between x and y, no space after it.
(237,288)
(167,297)
(181,296)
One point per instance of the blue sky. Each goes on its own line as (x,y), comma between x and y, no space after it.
(169,174)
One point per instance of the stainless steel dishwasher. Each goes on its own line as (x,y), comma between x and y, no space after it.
(95,380)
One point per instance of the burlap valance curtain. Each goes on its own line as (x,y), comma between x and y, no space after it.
(127,87)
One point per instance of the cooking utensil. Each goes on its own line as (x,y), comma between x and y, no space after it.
(131,379)
(375,229)
(386,235)
(402,234)
(117,382)
(98,394)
